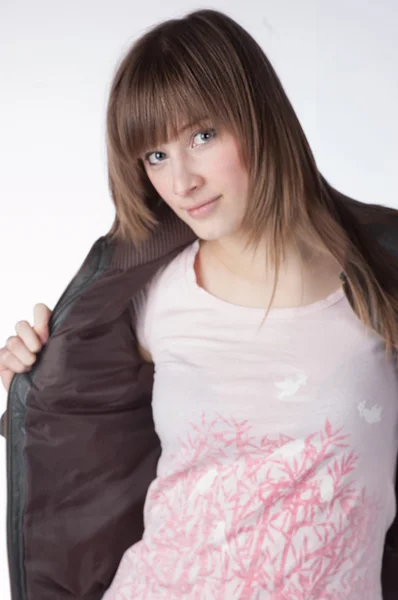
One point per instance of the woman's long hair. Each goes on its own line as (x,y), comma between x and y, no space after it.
(206,66)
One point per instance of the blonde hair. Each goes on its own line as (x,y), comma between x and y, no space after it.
(206,66)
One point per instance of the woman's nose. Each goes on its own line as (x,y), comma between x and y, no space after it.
(185,179)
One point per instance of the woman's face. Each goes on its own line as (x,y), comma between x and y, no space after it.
(198,166)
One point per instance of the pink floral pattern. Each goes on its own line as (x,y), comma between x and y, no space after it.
(249,517)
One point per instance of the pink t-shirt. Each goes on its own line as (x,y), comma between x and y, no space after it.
(279,445)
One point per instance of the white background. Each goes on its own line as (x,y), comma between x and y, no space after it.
(338,62)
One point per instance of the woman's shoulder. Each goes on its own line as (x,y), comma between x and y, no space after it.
(169,272)
(157,296)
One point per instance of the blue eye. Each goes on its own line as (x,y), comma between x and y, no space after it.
(150,154)
(205,131)
(210,131)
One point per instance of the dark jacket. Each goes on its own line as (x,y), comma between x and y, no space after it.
(81,444)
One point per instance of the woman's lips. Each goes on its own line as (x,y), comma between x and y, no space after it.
(203,210)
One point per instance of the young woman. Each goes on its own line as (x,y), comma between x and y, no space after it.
(272,332)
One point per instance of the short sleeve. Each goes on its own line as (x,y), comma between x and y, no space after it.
(146,310)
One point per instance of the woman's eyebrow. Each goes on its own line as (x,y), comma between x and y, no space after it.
(192,124)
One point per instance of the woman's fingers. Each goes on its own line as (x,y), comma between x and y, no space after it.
(29,336)
(19,353)
(41,319)
(16,355)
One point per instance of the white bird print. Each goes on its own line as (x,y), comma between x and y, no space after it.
(289,386)
(371,415)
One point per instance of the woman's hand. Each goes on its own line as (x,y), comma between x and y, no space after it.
(19,353)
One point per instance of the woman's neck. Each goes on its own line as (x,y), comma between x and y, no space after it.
(240,275)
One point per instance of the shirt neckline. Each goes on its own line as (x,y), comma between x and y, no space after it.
(274,313)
